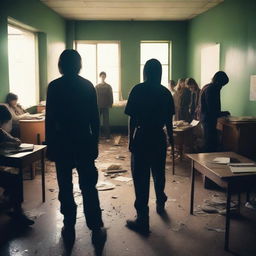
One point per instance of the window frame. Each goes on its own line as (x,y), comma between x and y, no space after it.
(169,42)
(96,42)
(27,29)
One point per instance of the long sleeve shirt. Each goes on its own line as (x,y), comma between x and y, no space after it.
(104,95)
(210,106)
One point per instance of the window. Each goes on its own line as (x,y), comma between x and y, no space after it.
(159,51)
(210,63)
(22,54)
(98,57)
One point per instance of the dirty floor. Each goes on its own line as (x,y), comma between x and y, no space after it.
(178,234)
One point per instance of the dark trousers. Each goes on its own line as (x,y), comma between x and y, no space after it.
(88,177)
(211,140)
(142,163)
(12,186)
(104,112)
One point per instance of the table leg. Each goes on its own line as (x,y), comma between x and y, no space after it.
(248,196)
(227,218)
(192,188)
(21,185)
(239,201)
(43,175)
(173,159)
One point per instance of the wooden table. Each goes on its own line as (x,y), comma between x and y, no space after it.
(221,174)
(182,136)
(32,131)
(238,135)
(24,159)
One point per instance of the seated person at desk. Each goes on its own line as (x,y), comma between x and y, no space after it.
(18,113)
(10,182)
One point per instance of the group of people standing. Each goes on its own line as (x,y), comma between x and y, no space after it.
(186,98)
(72,142)
(72,136)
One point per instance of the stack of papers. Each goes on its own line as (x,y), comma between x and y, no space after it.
(243,167)
(24,147)
(221,160)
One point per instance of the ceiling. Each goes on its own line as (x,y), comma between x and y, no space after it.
(130,9)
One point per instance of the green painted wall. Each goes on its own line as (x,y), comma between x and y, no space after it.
(52,37)
(232,24)
(130,33)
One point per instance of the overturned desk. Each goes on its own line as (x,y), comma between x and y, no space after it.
(24,159)
(221,175)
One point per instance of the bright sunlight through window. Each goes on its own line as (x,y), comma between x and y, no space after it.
(210,63)
(23,65)
(98,57)
(159,51)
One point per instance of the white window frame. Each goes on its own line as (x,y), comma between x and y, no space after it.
(169,57)
(26,29)
(95,42)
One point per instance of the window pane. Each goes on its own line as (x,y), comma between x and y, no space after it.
(157,51)
(22,65)
(165,75)
(88,55)
(98,57)
(108,55)
(108,61)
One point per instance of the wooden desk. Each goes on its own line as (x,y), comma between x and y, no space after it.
(221,174)
(30,130)
(238,135)
(24,159)
(182,136)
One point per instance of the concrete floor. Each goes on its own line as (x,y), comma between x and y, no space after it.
(180,234)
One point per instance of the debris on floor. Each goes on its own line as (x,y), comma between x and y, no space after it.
(112,171)
(117,140)
(114,197)
(104,185)
(114,167)
(171,200)
(219,230)
(121,178)
(178,226)
(216,204)
(35,213)
(120,157)
(251,205)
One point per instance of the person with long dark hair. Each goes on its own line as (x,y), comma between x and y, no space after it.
(192,85)
(150,108)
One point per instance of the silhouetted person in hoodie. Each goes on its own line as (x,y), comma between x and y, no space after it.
(72,132)
(210,110)
(150,107)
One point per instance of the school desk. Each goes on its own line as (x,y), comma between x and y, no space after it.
(25,159)
(221,175)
